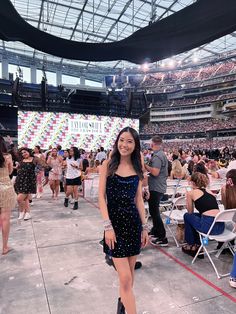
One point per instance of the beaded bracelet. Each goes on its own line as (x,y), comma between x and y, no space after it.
(145,226)
(107,225)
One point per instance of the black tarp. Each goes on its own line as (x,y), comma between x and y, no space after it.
(195,25)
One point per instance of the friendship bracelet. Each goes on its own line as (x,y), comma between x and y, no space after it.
(108,227)
(145,226)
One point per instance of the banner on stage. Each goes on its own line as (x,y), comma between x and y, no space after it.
(81,126)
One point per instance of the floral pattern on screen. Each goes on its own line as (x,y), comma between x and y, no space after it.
(84,131)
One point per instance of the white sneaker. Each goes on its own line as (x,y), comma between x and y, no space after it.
(21,215)
(27,216)
(232,282)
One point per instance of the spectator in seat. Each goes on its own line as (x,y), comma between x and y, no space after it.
(177,171)
(207,207)
(228,193)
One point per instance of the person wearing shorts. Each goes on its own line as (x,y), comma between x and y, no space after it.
(73,176)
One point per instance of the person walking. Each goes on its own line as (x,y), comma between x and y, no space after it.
(7,194)
(122,208)
(157,182)
(73,176)
(55,162)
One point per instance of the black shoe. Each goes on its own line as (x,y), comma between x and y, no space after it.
(159,242)
(120,307)
(66,202)
(101,242)
(75,206)
(138,265)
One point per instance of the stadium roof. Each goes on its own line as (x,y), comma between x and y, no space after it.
(101,21)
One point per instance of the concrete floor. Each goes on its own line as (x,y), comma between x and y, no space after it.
(57,266)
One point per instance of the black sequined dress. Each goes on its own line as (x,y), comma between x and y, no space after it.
(124,215)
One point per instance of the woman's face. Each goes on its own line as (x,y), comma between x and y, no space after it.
(71,152)
(66,154)
(54,152)
(25,154)
(126,144)
(36,151)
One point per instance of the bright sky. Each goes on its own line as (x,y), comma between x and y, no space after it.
(51,76)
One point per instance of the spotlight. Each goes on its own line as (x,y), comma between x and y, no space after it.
(171,63)
(145,67)
(195,59)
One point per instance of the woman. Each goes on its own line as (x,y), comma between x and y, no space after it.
(228,195)
(25,183)
(177,171)
(73,176)
(207,206)
(55,162)
(64,157)
(122,208)
(39,172)
(92,168)
(7,194)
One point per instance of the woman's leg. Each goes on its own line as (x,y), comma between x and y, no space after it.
(52,186)
(192,222)
(76,196)
(233,272)
(56,187)
(5,218)
(132,261)
(126,282)
(69,191)
(27,203)
(40,183)
(76,192)
(21,201)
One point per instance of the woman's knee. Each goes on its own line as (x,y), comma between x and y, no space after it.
(126,282)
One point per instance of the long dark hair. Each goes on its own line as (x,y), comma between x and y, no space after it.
(76,153)
(135,156)
(230,189)
(3,150)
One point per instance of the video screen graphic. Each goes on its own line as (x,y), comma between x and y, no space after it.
(84,131)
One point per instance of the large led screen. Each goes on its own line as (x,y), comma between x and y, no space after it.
(84,131)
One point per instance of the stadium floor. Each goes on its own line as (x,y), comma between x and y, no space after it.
(57,266)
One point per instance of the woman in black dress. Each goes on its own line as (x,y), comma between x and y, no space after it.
(25,183)
(122,208)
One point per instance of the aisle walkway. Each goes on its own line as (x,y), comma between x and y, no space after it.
(57,267)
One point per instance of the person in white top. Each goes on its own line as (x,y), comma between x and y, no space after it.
(101,155)
(73,176)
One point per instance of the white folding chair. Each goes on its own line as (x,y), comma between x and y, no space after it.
(94,177)
(215,186)
(225,237)
(175,215)
(172,186)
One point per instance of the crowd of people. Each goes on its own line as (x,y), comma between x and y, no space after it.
(189,126)
(128,177)
(192,100)
(189,78)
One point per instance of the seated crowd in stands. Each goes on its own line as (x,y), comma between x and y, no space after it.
(193,100)
(188,126)
(189,78)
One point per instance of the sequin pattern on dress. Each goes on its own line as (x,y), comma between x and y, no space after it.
(124,215)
